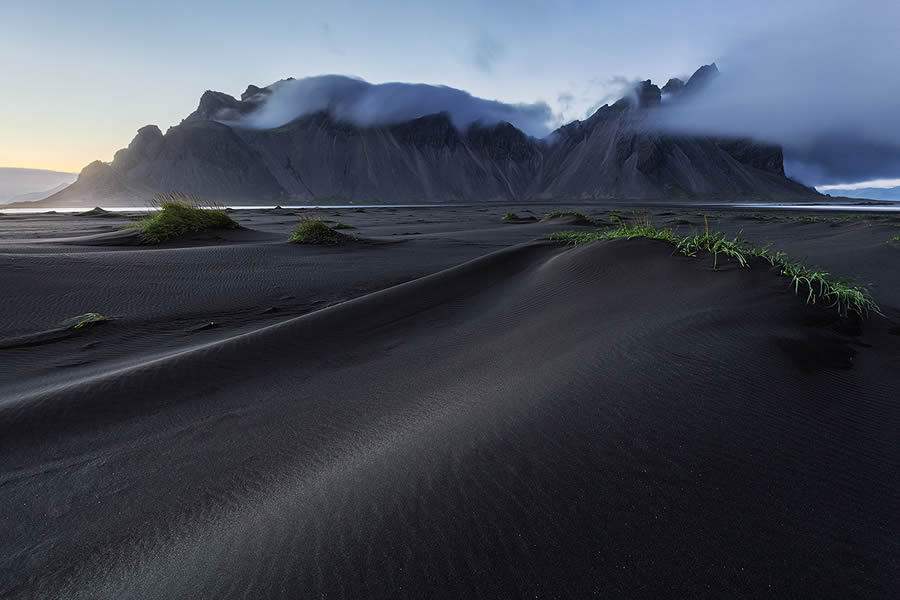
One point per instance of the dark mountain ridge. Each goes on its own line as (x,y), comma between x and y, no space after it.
(316,158)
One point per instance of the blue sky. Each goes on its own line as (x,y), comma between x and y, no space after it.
(82,77)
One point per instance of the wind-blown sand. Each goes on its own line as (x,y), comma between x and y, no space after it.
(453,409)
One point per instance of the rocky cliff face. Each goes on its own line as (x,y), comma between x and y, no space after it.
(613,154)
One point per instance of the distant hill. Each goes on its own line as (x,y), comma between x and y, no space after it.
(870,193)
(320,158)
(18,185)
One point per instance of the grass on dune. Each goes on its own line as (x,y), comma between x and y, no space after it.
(817,285)
(511,216)
(98,212)
(315,231)
(178,214)
(84,321)
(568,213)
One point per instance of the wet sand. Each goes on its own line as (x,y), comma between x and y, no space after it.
(452,407)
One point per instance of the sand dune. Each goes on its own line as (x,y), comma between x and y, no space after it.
(541,421)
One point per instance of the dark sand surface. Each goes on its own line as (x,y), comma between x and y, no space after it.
(450,408)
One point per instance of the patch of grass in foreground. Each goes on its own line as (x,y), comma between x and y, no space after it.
(310,230)
(178,214)
(896,238)
(568,213)
(817,285)
(509,216)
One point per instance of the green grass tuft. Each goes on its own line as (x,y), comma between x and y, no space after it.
(567,213)
(896,238)
(179,214)
(311,230)
(85,320)
(510,216)
(626,231)
(98,212)
(716,244)
(818,286)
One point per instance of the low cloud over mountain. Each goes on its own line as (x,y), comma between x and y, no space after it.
(364,104)
(825,89)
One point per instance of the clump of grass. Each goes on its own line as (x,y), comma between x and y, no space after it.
(509,216)
(178,214)
(98,212)
(896,238)
(567,213)
(625,231)
(818,285)
(576,238)
(759,217)
(715,243)
(315,231)
(85,320)
(640,229)
(339,225)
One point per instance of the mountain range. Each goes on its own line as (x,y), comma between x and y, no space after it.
(616,153)
(24,185)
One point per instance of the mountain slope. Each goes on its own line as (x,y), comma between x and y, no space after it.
(614,154)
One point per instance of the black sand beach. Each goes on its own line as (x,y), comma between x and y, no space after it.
(452,406)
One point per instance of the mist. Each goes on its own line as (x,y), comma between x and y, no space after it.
(825,88)
(356,101)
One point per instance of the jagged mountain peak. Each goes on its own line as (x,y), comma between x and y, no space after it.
(253,91)
(673,86)
(702,77)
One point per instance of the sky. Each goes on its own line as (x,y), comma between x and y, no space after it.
(81,77)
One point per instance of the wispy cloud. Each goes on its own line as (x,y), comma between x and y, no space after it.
(824,88)
(357,101)
(485,52)
(875,183)
(328,38)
